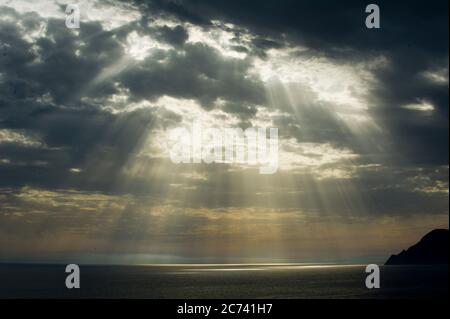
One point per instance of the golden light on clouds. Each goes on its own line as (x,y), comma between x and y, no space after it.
(86,115)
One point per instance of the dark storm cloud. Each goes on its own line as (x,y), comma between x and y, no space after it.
(92,140)
(414,39)
(175,36)
(51,65)
(420,137)
(65,65)
(413,36)
(43,85)
(323,25)
(81,121)
(198,72)
(50,87)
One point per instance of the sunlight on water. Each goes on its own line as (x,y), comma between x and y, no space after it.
(198,268)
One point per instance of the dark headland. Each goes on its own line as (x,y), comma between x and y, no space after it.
(433,248)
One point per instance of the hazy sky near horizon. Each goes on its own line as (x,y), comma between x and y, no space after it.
(362,117)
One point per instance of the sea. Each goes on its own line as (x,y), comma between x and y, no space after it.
(234,281)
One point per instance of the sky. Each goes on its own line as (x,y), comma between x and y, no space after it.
(362,118)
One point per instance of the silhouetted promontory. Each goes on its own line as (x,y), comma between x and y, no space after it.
(431,249)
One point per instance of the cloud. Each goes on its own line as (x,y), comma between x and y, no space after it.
(84,114)
(338,33)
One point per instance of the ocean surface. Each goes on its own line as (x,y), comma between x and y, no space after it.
(223,281)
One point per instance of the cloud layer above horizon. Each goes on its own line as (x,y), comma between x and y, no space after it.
(84,114)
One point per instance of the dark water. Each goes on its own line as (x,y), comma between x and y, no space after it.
(223,281)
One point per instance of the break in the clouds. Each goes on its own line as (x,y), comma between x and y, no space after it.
(362,117)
